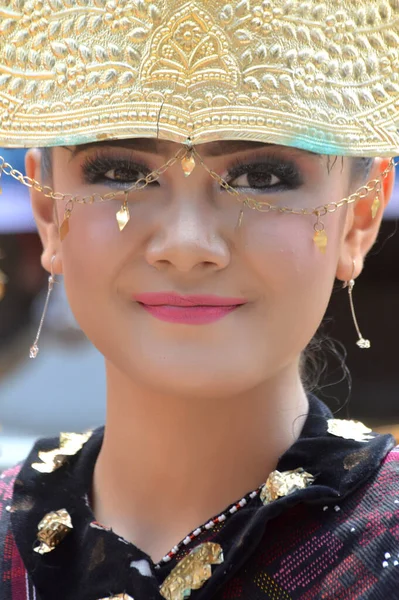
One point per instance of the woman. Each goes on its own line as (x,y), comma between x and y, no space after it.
(203,307)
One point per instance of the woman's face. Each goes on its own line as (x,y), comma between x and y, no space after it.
(182,237)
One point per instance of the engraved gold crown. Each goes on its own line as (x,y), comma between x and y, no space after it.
(314,74)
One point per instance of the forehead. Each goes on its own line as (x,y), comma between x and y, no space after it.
(168,148)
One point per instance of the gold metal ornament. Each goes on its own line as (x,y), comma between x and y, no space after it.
(320,235)
(192,572)
(188,164)
(349,430)
(362,342)
(70,444)
(52,529)
(123,214)
(277,72)
(122,596)
(375,207)
(282,483)
(64,229)
(320,239)
(188,161)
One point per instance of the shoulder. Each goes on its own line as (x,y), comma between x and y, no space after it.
(374,506)
(7,479)
(378,500)
(385,482)
(15,583)
(346,548)
(392,459)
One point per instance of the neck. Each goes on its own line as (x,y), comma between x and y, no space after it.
(169,464)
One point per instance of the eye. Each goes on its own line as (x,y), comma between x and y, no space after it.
(257,180)
(266,175)
(124,175)
(113,171)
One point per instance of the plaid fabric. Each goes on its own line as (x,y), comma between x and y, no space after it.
(345,551)
(348,551)
(336,540)
(15,583)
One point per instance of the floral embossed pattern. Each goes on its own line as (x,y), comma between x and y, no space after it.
(322,75)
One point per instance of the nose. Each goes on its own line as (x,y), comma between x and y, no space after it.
(188,236)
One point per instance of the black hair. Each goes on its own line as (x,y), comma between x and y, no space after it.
(46,164)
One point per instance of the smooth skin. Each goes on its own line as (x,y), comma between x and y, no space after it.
(197,416)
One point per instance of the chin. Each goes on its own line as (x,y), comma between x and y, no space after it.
(194,379)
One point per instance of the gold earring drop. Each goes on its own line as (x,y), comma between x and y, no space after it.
(123,214)
(64,229)
(375,207)
(362,342)
(34,349)
(320,235)
(188,161)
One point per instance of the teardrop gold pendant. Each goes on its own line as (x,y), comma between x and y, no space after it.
(320,239)
(123,215)
(188,163)
(375,207)
(64,229)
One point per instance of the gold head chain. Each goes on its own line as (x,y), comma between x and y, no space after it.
(187,155)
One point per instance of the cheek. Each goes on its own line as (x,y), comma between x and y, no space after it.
(296,277)
(91,254)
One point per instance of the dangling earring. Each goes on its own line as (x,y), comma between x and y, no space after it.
(362,343)
(34,349)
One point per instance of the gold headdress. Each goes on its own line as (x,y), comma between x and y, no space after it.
(318,75)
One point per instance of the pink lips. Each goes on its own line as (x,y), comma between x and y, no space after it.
(190,310)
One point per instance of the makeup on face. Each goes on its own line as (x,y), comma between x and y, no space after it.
(251,168)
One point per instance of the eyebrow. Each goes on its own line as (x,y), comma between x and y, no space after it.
(156,146)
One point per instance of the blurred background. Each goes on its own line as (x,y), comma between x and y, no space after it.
(64,388)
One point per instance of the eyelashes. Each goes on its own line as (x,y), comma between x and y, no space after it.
(262,170)
(126,171)
(263,173)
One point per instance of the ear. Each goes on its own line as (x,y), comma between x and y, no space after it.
(361,229)
(45,216)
